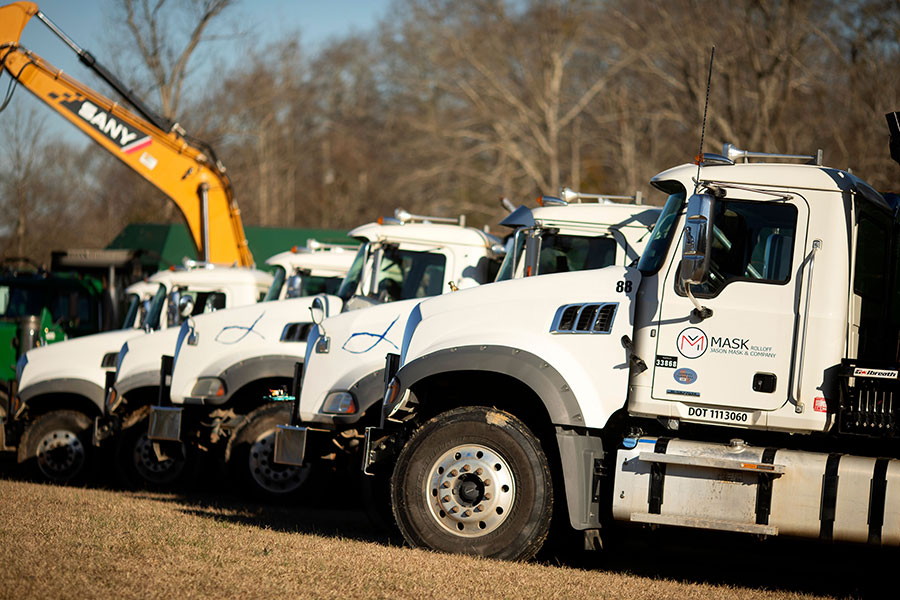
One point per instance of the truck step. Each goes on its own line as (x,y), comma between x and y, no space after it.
(712,463)
(701,523)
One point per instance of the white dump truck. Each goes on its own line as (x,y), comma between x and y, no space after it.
(742,377)
(230,370)
(315,267)
(61,386)
(343,381)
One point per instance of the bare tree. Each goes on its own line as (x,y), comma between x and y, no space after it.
(22,131)
(163,35)
(504,86)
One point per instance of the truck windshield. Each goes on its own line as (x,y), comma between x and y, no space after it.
(513,256)
(131,315)
(658,246)
(556,253)
(68,303)
(156,307)
(310,285)
(564,253)
(352,279)
(278,283)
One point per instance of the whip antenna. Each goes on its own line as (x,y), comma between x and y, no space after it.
(712,55)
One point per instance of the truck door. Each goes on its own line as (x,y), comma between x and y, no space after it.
(741,356)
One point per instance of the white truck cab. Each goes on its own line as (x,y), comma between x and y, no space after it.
(341,383)
(61,386)
(317,268)
(740,378)
(228,368)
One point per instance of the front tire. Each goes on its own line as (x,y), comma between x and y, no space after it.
(474,480)
(250,456)
(137,466)
(56,447)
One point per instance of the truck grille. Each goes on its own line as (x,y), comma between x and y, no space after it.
(592,317)
(870,400)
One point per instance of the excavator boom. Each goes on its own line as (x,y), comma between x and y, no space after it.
(178,167)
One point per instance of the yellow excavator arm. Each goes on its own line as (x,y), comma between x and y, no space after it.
(183,169)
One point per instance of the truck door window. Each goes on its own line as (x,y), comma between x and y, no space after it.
(877,324)
(205,302)
(751,241)
(404,274)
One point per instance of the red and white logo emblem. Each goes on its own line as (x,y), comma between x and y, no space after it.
(692,342)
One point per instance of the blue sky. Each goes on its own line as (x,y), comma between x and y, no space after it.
(85,22)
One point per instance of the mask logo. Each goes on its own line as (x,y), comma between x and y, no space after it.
(692,342)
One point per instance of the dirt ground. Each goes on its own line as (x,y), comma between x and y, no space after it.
(59,542)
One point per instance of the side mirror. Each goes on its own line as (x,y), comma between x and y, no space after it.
(145,311)
(317,310)
(695,253)
(185,306)
(293,286)
(172,308)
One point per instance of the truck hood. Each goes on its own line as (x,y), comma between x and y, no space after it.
(78,358)
(523,315)
(139,359)
(358,343)
(210,344)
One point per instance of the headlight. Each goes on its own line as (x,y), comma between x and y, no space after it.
(339,403)
(20,366)
(209,387)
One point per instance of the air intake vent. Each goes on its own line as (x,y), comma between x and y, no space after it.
(296,332)
(604,321)
(585,318)
(567,319)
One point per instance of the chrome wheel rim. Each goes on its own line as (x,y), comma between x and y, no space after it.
(470,490)
(60,454)
(269,475)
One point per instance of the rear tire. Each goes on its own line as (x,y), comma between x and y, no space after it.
(474,480)
(250,457)
(57,447)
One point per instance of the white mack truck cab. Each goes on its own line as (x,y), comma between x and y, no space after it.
(61,386)
(343,380)
(232,376)
(742,377)
(317,266)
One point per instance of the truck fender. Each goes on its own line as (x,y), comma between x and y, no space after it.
(580,453)
(80,387)
(145,379)
(531,370)
(253,369)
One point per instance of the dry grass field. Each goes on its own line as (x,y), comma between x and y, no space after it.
(93,543)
